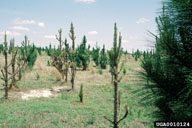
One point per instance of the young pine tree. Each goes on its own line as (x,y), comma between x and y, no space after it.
(10,47)
(103,58)
(95,54)
(4,71)
(137,55)
(13,63)
(73,52)
(81,93)
(58,54)
(29,53)
(83,54)
(66,59)
(114,58)
(31,56)
(6,75)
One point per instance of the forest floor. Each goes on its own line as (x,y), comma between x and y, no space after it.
(48,103)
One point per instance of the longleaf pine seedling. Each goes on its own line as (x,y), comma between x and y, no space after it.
(73,65)
(81,93)
(114,58)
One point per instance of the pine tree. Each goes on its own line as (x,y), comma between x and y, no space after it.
(73,52)
(83,54)
(81,94)
(39,49)
(13,63)
(19,63)
(58,56)
(6,75)
(137,54)
(22,61)
(29,53)
(114,58)
(47,51)
(50,50)
(95,54)
(66,59)
(59,38)
(1,48)
(4,71)
(10,47)
(31,56)
(78,61)
(103,58)
(169,65)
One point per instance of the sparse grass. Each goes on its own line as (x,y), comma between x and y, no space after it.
(66,110)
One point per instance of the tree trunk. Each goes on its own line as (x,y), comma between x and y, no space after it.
(66,72)
(81,94)
(6,74)
(13,77)
(115,102)
(119,103)
(20,72)
(72,77)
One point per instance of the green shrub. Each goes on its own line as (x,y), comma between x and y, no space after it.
(48,63)
(124,71)
(100,71)
(81,94)
(37,76)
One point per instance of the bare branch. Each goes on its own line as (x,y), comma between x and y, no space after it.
(3,73)
(108,119)
(120,79)
(126,113)
(9,65)
(17,70)
(121,68)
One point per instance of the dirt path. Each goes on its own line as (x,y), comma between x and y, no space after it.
(37,93)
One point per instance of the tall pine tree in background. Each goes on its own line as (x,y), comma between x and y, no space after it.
(73,54)
(30,51)
(95,55)
(137,54)
(66,59)
(10,47)
(103,58)
(83,54)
